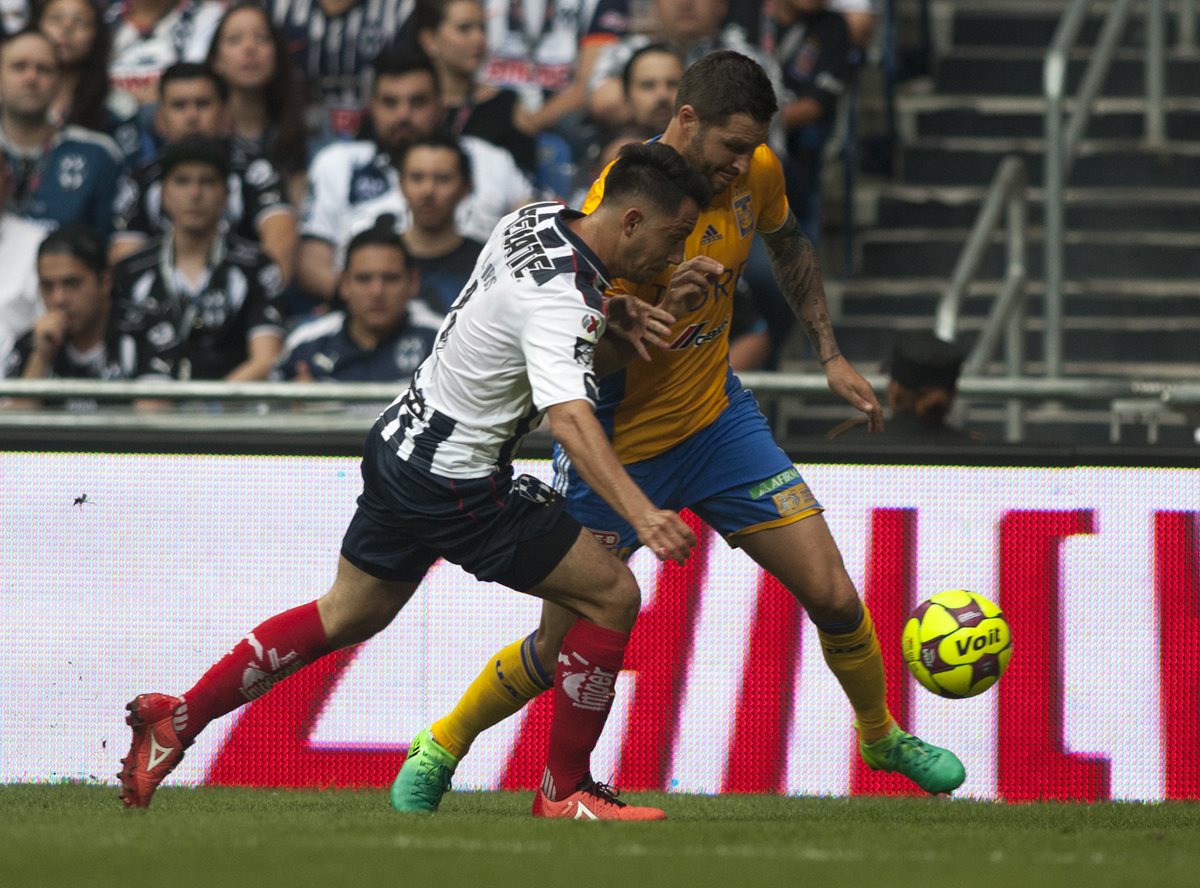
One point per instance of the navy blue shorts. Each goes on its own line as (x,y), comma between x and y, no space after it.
(731,473)
(501,529)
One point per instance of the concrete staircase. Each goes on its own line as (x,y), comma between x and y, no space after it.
(1133,216)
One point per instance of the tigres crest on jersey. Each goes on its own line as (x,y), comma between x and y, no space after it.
(652,406)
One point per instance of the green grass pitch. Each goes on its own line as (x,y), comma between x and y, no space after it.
(78,835)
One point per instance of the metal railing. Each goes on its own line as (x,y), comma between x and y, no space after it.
(1062,141)
(269,407)
(1005,197)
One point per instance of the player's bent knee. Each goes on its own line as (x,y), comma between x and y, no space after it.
(834,600)
(357,607)
(623,601)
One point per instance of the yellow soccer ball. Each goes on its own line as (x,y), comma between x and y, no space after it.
(957,643)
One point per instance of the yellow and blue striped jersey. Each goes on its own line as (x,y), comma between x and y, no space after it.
(651,406)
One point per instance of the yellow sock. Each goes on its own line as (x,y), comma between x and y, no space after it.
(511,679)
(855,659)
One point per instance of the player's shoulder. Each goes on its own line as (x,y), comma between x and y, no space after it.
(536,214)
(764,165)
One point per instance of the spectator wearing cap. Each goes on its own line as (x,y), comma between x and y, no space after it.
(75,338)
(202,304)
(924,381)
(193,104)
(381,335)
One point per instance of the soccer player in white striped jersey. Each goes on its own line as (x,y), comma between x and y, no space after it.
(521,342)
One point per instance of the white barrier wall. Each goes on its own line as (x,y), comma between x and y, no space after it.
(173,558)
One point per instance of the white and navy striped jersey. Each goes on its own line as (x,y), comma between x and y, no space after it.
(520,339)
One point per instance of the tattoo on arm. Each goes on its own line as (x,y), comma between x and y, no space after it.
(794,261)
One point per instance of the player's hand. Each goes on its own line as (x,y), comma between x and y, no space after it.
(50,332)
(665,534)
(690,284)
(639,323)
(847,382)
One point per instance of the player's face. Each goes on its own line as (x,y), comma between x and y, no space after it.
(433,185)
(658,242)
(460,42)
(722,153)
(245,55)
(190,108)
(405,108)
(653,83)
(193,196)
(28,75)
(71,27)
(377,287)
(69,286)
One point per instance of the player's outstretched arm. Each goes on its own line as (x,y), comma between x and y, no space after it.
(794,261)
(576,428)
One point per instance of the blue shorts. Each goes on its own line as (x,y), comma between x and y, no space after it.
(730,473)
(501,529)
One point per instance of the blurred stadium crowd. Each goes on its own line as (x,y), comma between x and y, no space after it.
(298,190)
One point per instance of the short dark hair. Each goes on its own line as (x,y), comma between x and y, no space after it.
(383,233)
(657,173)
(439,140)
(31,30)
(648,49)
(78,241)
(192,71)
(430,14)
(724,83)
(922,360)
(400,64)
(196,149)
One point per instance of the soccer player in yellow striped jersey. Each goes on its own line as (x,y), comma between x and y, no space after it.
(693,437)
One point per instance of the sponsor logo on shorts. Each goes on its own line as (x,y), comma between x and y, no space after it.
(758,491)
(534,490)
(607,538)
(794,500)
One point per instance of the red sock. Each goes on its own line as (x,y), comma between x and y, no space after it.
(274,650)
(588,665)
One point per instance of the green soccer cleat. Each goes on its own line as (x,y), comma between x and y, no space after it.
(425,776)
(930,767)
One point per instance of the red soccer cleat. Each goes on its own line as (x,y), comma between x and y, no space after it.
(155,750)
(592,801)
